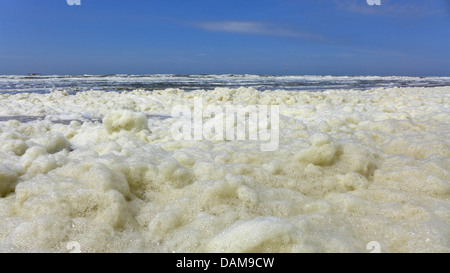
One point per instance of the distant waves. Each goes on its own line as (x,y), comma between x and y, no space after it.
(34,83)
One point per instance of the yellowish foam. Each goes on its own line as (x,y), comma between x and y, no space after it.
(351,167)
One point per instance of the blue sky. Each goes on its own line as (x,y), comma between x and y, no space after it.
(313,37)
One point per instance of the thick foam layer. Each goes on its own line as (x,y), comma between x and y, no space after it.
(351,167)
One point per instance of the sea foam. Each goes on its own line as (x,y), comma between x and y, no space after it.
(351,167)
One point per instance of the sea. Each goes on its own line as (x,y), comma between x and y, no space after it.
(125,82)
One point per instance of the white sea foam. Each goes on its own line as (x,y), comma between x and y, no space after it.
(351,167)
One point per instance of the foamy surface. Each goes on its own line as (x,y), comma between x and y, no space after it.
(102,169)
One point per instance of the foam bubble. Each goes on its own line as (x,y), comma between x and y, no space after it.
(125,120)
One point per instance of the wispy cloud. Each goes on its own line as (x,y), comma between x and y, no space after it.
(257,28)
(380,52)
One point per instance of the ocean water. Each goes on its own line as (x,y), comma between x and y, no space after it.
(71,84)
(97,164)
